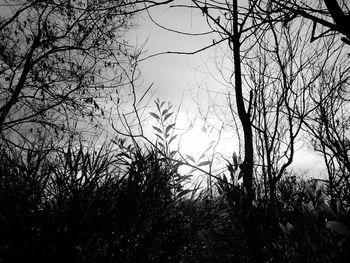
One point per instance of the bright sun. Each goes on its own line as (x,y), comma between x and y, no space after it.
(195,142)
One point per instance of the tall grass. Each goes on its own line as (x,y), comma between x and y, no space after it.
(129,205)
(80,205)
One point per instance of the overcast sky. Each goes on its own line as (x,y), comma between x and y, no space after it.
(180,78)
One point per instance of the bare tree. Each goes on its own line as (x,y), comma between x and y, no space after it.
(61,60)
(280,74)
(328,16)
(271,90)
(231,28)
(328,126)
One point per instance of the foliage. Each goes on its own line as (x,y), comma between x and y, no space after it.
(127,203)
(164,131)
(312,231)
(118,205)
(58,61)
(78,205)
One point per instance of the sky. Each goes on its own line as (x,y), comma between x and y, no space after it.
(172,74)
(184,80)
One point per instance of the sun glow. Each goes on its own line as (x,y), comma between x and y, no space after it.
(197,143)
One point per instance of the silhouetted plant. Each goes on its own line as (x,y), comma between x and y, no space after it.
(83,208)
(77,204)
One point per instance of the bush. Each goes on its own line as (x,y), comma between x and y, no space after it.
(130,205)
(77,206)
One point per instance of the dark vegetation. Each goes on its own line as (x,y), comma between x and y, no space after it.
(66,198)
(130,205)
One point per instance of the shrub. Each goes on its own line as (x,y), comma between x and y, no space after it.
(79,206)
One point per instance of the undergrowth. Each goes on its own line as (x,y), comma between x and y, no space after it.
(130,204)
(80,205)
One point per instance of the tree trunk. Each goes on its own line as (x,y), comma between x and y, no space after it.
(244,117)
(339,17)
(254,239)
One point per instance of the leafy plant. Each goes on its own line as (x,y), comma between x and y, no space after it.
(80,205)
(164,131)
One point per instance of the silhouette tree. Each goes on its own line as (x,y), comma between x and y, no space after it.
(331,15)
(328,127)
(281,71)
(59,60)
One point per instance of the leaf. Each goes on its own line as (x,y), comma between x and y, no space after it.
(212,142)
(160,137)
(169,127)
(191,158)
(204,163)
(184,192)
(172,138)
(157,104)
(157,129)
(208,148)
(155,115)
(161,145)
(202,156)
(165,112)
(328,210)
(283,228)
(338,227)
(167,116)
(310,192)
(219,189)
